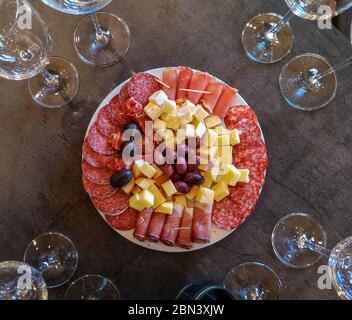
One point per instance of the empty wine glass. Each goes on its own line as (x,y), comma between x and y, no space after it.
(92,287)
(25,48)
(268,38)
(299,241)
(101,39)
(253,281)
(54,256)
(20,281)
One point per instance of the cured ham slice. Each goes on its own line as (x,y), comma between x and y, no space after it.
(156,226)
(184,80)
(200,81)
(184,239)
(226,101)
(172,226)
(170,77)
(142,224)
(201,229)
(210,100)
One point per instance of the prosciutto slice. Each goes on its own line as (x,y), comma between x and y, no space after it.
(156,226)
(184,239)
(172,226)
(225,102)
(201,229)
(142,224)
(210,100)
(170,77)
(184,80)
(200,81)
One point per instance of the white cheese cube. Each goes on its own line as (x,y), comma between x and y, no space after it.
(158,98)
(152,111)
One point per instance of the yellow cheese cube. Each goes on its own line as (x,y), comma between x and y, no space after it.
(181,200)
(170,143)
(144,183)
(169,106)
(137,168)
(158,196)
(231,176)
(129,187)
(185,114)
(200,113)
(224,151)
(169,188)
(152,111)
(190,131)
(207,154)
(221,191)
(212,121)
(193,193)
(147,198)
(220,130)
(225,160)
(180,136)
(136,189)
(166,207)
(224,140)
(167,134)
(158,98)
(210,138)
(244,176)
(189,105)
(208,179)
(173,122)
(136,203)
(235,137)
(201,129)
(159,125)
(158,171)
(148,170)
(205,195)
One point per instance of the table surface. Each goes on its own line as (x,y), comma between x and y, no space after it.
(310,153)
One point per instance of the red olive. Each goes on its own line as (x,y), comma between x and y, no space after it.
(168,169)
(193,178)
(182,187)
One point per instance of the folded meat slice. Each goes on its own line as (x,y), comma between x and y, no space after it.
(184,239)
(184,80)
(201,229)
(199,82)
(156,226)
(210,100)
(170,77)
(225,102)
(172,226)
(142,224)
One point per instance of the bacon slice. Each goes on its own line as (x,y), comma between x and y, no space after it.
(201,229)
(226,101)
(170,77)
(184,80)
(172,226)
(156,226)
(200,81)
(184,239)
(210,100)
(142,224)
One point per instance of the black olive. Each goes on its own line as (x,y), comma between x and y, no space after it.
(134,127)
(121,178)
(124,145)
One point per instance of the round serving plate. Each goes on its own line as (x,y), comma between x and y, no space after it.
(216,233)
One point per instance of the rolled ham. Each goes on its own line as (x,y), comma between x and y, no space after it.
(225,102)
(201,229)
(184,80)
(172,226)
(200,81)
(142,224)
(184,239)
(170,78)
(156,226)
(210,100)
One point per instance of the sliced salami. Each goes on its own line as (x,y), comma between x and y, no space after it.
(98,142)
(253,157)
(237,113)
(104,123)
(114,205)
(225,216)
(96,175)
(125,221)
(93,158)
(117,115)
(249,131)
(97,190)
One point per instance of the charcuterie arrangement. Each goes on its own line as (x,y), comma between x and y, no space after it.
(195,159)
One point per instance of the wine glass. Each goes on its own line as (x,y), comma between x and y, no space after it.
(92,287)
(54,256)
(299,241)
(25,47)
(20,281)
(101,39)
(253,281)
(268,38)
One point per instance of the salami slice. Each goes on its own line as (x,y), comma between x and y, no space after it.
(114,205)
(96,175)
(104,123)
(253,157)
(249,131)
(98,142)
(225,216)
(93,158)
(125,221)
(117,115)
(140,87)
(237,113)
(97,190)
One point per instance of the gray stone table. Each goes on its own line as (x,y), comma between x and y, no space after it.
(310,154)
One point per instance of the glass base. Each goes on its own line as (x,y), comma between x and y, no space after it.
(54,256)
(258,47)
(92,287)
(253,281)
(57,85)
(288,240)
(112,44)
(298,88)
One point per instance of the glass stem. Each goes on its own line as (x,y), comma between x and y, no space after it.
(339,66)
(102,37)
(317,248)
(50,78)
(271,34)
